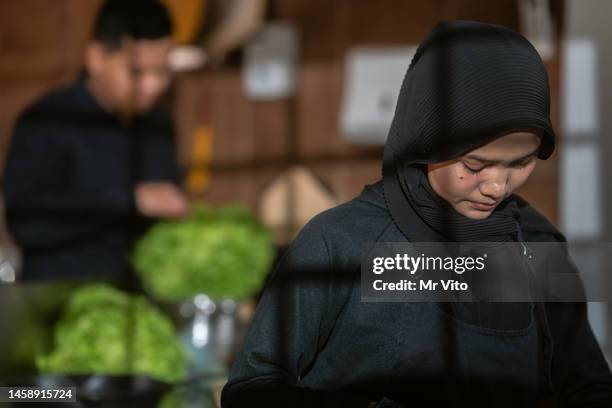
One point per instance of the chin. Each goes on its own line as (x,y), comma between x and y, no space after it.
(142,109)
(475,214)
(145,105)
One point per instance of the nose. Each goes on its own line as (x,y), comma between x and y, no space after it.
(495,185)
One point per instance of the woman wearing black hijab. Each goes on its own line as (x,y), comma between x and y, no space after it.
(472,119)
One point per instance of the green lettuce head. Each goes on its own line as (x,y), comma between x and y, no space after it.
(105,331)
(220,252)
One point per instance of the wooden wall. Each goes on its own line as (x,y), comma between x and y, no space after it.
(41,45)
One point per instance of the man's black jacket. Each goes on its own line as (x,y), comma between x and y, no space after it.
(68,183)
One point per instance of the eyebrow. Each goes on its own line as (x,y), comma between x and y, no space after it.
(483,160)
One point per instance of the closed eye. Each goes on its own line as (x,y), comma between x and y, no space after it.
(522,163)
(473,170)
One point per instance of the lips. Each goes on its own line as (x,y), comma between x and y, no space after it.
(483,206)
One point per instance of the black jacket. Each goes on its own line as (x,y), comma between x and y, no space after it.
(313,343)
(68,183)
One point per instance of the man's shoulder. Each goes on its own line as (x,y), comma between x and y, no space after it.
(55,105)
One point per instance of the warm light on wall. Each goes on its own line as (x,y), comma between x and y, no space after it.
(198,177)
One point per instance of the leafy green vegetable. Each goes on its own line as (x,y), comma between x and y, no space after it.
(106,331)
(221,252)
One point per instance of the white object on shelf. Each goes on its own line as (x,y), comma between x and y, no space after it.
(269,70)
(187,58)
(538,26)
(372,80)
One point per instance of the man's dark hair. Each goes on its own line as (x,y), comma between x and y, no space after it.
(135,19)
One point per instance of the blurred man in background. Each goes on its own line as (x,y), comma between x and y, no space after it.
(90,165)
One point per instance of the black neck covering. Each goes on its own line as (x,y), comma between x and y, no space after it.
(467,84)
(501,225)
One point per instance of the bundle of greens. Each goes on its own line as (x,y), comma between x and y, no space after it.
(105,331)
(222,252)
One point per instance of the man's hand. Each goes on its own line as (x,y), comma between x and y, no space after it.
(160,199)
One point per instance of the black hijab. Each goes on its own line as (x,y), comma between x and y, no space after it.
(468,83)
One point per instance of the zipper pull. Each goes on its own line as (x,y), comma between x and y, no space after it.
(526,251)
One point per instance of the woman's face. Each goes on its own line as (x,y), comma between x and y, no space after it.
(475,183)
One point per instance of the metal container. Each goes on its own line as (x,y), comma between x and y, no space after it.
(211,331)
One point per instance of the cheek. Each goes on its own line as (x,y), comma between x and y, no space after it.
(122,82)
(457,184)
(464,181)
(519,177)
(151,86)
